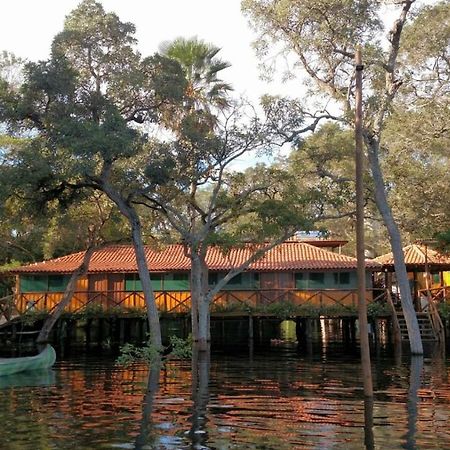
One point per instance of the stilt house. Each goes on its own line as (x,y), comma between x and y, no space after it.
(428,272)
(314,273)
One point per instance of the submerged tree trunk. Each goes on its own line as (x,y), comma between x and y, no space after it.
(412,323)
(67,297)
(200,396)
(199,292)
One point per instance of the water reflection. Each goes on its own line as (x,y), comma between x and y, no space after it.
(147,405)
(200,397)
(44,377)
(412,403)
(277,399)
(369,441)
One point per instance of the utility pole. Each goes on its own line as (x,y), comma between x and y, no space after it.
(360,254)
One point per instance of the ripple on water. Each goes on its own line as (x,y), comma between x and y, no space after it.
(275,401)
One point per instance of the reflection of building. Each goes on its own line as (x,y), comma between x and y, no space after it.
(295,271)
(428,271)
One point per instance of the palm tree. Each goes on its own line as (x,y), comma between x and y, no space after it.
(201,66)
(206,95)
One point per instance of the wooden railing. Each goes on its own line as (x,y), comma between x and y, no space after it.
(436,321)
(395,324)
(433,298)
(180,301)
(323,298)
(439,294)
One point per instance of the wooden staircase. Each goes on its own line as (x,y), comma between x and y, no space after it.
(430,324)
(426,327)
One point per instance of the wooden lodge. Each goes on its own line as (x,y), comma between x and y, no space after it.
(314,273)
(428,273)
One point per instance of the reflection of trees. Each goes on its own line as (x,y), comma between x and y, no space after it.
(147,405)
(414,385)
(200,395)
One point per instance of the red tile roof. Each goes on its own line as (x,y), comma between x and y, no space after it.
(417,255)
(288,256)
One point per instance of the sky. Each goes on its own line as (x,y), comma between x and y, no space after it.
(27,28)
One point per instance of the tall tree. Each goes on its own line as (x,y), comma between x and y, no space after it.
(86,107)
(201,66)
(206,95)
(322,36)
(208,203)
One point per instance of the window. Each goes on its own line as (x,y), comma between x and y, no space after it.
(301,281)
(436,278)
(176,282)
(157,279)
(236,283)
(316,280)
(213,278)
(180,276)
(33,283)
(57,283)
(236,280)
(341,278)
(133,283)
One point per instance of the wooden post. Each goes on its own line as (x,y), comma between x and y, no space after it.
(250,327)
(309,332)
(121,331)
(88,327)
(361,266)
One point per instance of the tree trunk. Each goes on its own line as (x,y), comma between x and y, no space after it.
(412,323)
(67,297)
(203,323)
(195,293)
(199,292)
(206,299)
(144,274)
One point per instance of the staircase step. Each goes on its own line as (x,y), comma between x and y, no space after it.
(425,326)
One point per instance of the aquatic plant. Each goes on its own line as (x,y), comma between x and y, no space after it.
(178,348)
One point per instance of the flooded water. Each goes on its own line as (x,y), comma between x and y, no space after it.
(271,399)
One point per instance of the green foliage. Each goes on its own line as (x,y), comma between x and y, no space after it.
(444,310)
(416,160)
(10,265)
(285,310)
(406,88)
(93,311)
(321,33)
(377,309)
(201,67)
(130,354)
(425,49)
(443,239)
(282,310)
(231,306)
(179,349)
(31,316)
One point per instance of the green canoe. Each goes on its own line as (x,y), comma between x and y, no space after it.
(43,360)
